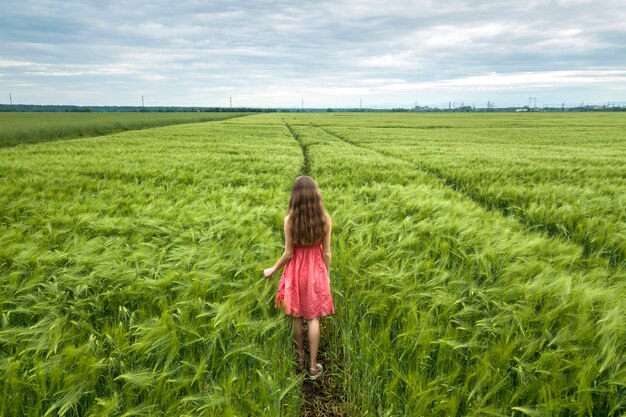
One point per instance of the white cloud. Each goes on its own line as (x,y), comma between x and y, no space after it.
(332,52)
(402,60)
(518,80)
(447,36)
(152,77)
(8,63)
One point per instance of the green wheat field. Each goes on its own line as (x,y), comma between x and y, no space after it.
(479,266)
(21,128)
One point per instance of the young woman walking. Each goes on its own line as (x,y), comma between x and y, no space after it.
(304,287)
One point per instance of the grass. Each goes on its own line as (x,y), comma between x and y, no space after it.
(130,280)
(561,174)
(26,128)
(131,267)
(450,308)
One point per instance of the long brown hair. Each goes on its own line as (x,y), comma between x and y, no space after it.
(307,216)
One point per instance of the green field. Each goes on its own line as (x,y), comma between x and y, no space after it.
(23,128)
(479,266)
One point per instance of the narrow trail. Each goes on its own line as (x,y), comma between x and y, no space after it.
(459,187)
(306,164)
(322,397)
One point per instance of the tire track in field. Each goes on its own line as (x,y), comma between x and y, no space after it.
(613,263)
(306,164)
(322,397)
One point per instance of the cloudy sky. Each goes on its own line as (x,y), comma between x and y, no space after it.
(328,53)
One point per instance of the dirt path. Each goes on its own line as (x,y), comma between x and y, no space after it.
(323,397)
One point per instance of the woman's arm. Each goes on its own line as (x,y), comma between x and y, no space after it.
(326,244)
(287,254)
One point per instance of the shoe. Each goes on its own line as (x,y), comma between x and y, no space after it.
(316,373)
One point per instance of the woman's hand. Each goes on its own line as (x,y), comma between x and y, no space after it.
(268,272)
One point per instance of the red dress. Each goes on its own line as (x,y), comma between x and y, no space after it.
(304,287)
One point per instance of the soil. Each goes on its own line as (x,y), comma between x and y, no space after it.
(323,397)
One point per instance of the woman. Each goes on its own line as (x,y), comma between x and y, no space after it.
(304,287)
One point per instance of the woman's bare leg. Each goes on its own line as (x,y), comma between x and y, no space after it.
(297,338)
(314,341)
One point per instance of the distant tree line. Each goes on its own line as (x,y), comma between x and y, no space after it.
(460,109)
(176,109)
(151,109)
